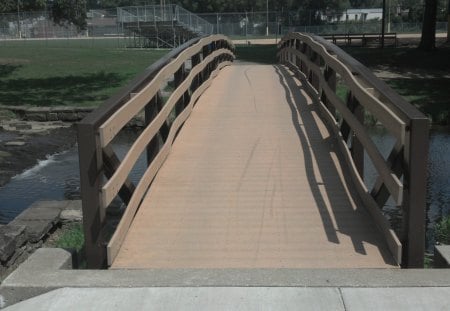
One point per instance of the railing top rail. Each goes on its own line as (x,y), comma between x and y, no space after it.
(401,107)
(111,105)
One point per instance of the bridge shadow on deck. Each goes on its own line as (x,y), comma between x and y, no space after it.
(322,149)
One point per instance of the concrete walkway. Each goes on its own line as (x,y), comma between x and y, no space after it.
(48,273)
(240,298)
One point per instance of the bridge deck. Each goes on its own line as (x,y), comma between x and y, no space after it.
(253,181)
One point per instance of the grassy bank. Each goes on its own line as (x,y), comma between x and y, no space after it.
(67,73)
(423,78)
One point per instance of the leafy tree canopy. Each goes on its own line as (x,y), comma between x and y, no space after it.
(10,6)
(64,12)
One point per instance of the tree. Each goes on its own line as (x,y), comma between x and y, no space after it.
(10,6)
(448,21)
(428,39)
(64,12)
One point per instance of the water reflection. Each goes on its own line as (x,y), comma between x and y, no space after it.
(438,183)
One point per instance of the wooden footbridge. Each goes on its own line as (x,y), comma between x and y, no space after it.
(255,166)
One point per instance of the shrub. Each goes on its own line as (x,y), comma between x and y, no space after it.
(442,230)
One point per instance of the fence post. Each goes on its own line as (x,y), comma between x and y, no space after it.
(90,157)
(217,17)
(416,156)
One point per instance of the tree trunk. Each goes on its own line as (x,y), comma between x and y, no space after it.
(428,40)
(448,21)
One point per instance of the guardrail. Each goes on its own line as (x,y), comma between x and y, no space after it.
(402,175)
(103,176)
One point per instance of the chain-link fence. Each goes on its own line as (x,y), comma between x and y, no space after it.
(367,27)
(23,25)
(38,25)
(241,24)
(260,24)
(105,27)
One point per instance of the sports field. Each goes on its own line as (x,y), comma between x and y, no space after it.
(65,72)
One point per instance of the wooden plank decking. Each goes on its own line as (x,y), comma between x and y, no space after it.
(253,181)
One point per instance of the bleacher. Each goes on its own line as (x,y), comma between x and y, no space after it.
(158,26)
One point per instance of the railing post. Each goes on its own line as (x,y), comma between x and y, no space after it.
(283,53)
(151,111)
(357,147)
(303,66)
(297,59)
(207,70)
(195,60)
(414,206)
(178,79)
(90,157)
(292,46)
(330,75)
(315,80)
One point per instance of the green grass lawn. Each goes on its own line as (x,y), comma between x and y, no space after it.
(81,72)
(423,78)
(67,72)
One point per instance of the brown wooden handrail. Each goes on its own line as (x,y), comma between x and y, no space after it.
(402,175)
(205,57)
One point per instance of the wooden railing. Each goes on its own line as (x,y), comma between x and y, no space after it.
(324,69)
(192,67)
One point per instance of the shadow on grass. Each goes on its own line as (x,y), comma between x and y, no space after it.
(424,78)
(429,95)
(78,90)
(7,69)
(257,53)
(402,60)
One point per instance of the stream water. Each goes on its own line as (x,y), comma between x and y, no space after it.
(438,182)
(57,178)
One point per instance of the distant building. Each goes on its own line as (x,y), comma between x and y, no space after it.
(354,15)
